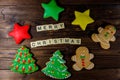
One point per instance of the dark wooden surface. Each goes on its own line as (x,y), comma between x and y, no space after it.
(107,62)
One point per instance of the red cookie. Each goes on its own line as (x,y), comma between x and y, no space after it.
(19,33)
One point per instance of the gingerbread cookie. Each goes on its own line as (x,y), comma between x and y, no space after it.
(82,59)
(105,35)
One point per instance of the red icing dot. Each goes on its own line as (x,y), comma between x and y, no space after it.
(23,61)
(30,68)
(29,60)
(18,60)
(17,67)
(22,48)
(23,69)
(25,55)
(20,54)
(82,59)
(83,63)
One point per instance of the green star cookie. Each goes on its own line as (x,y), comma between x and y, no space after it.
(52,10)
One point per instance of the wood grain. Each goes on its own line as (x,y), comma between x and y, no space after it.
(66,2)
(107,62)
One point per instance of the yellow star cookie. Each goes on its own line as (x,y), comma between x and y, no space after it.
(82,19)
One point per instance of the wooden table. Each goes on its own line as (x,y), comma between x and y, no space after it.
(107,65)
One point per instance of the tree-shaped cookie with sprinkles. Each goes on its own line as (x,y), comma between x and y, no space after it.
(56,67)
(23,62)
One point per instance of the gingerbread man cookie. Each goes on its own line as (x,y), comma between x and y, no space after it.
(82,59)
(105,35)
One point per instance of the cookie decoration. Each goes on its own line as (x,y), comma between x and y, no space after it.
(56,68)
(82,19)
(23,62)
(82,59)
(19,33)
(52,10)
(105,36)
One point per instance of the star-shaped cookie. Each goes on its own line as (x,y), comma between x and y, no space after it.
(20,33)
(82,19)
(52,10)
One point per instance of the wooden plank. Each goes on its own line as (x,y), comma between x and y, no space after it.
(74,31)
(6,43)
(101,62)
(106,74)
(44,51)
(9,22)
(76,2)
(68,13)
(13,14)
(108,11)
(38,20)
(65,32)
(9,75)
(65,2)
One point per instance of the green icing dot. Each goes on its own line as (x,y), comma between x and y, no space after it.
(106,34)
(82,57)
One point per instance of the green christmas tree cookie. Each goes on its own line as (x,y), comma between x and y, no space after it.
(56,68)
(23,62)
